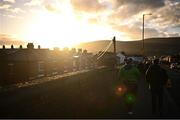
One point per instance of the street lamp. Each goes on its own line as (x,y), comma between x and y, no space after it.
(143,32)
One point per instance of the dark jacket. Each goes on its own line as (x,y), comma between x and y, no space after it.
(156,77)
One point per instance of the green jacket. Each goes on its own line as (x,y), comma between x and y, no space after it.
(129,73)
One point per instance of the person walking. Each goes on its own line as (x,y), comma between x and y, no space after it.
(157,77)
(128,76)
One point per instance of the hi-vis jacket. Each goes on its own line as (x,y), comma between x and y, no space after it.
(129,74)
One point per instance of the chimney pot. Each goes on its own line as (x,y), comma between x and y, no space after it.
(4,47)
(12,47)
(30,46)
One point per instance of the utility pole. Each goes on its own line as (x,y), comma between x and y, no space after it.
(143,51)
(143,48)
(114,44)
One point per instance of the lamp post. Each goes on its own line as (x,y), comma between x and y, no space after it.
(143,32)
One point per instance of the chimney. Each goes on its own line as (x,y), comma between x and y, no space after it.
(30,46)
(39,47)
(73,50)
(85,51)
(4,47)
(20,47)
(80,50)
(12,47)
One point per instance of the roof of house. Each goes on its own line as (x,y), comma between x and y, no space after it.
(24,54)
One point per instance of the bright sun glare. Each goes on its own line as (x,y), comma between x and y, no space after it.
(63,29)
(52,29)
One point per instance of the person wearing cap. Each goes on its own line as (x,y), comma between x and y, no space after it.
(157,78)
(129,75)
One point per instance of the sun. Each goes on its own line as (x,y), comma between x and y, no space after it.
(51,30)
(64,29)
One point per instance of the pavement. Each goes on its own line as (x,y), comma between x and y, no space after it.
(89,95)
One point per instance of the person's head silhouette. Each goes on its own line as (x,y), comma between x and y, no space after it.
(156,61)
(129,61)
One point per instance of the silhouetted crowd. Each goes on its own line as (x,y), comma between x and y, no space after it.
(155,75)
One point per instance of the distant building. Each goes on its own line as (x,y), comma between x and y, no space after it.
(23,64)
(18,64)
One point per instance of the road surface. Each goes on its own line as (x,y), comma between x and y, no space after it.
(87,95)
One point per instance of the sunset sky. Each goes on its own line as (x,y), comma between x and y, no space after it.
(60,23)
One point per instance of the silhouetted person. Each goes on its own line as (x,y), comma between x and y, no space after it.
(141,67)
(157,77)
(129,76)
(146,65)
